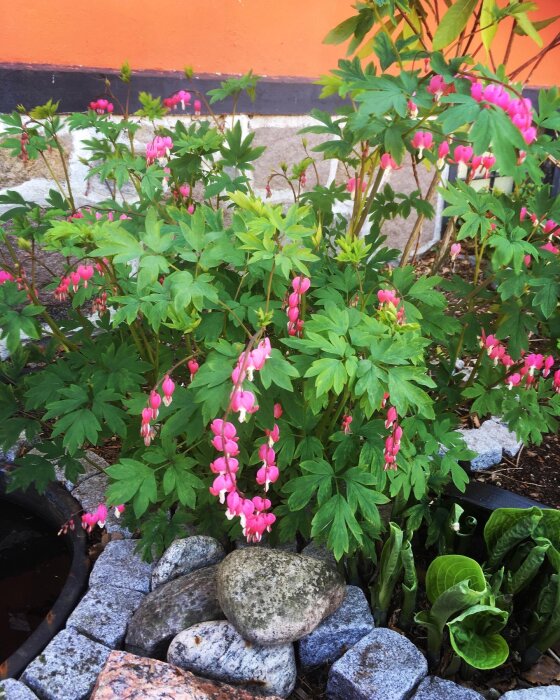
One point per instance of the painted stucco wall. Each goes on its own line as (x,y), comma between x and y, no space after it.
(213,36)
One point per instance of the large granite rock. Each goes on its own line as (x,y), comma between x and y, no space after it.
(217,650)
(67,668)
(319,551)
(338,632)
(119,565)
(170,609)
(186,555)
(490,441)
(14,690)
(433,688)
(129,677)
(382,666)
(548,692)
(274,597)
(104,613)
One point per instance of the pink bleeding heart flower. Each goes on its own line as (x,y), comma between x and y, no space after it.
(243,402)
(301,284)
(455,250)
(391,417)
(193,368)
(548,364)
(277,411)
(443,152)
(225,428)
(155,402)
(387,162)
(168,387)
(223,484)
(101,514)
(463,154)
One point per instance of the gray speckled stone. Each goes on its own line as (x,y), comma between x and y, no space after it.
(547,692)
(186,555)
(89,471)
(338,632)
(382,666)
(275,597)
(104,613)
(90,493)
(14,690)
(120,566)
(67,669)
(433,688)
(319,551)
(503,435)
(216,650)
(170,609)
(489,452)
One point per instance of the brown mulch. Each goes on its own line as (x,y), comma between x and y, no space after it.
(534,473)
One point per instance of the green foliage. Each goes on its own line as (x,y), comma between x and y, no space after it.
(197,267)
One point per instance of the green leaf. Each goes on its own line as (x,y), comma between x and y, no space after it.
(31,469)
(342,31)
(330,373)
(474,636)
(133,480)
(448,570)
(506,528)
(453,23)
(488,23)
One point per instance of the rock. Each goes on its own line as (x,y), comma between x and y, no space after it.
(89,471)
(319,551)
(170,609)
(547,692)
(382,666)
(339,632)
(104,613)
(120,566)
(67,668)
(503,435)
(274,597)
(433,688)
(488,451)
(90,493)
(186,555)
(489,442)
(128,676)
(14,690)
(217,650)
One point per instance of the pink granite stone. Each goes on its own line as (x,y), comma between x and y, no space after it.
(129,677)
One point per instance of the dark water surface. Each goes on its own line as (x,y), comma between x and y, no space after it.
(34,564)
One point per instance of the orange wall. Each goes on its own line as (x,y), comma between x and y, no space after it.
(274,37)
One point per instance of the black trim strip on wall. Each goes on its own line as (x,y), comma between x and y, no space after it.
(76,87)
(33,85)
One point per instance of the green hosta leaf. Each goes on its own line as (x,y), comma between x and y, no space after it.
(530,566)
(453,23)
(474,636)
(390,567)
(506,528)
(448,570)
